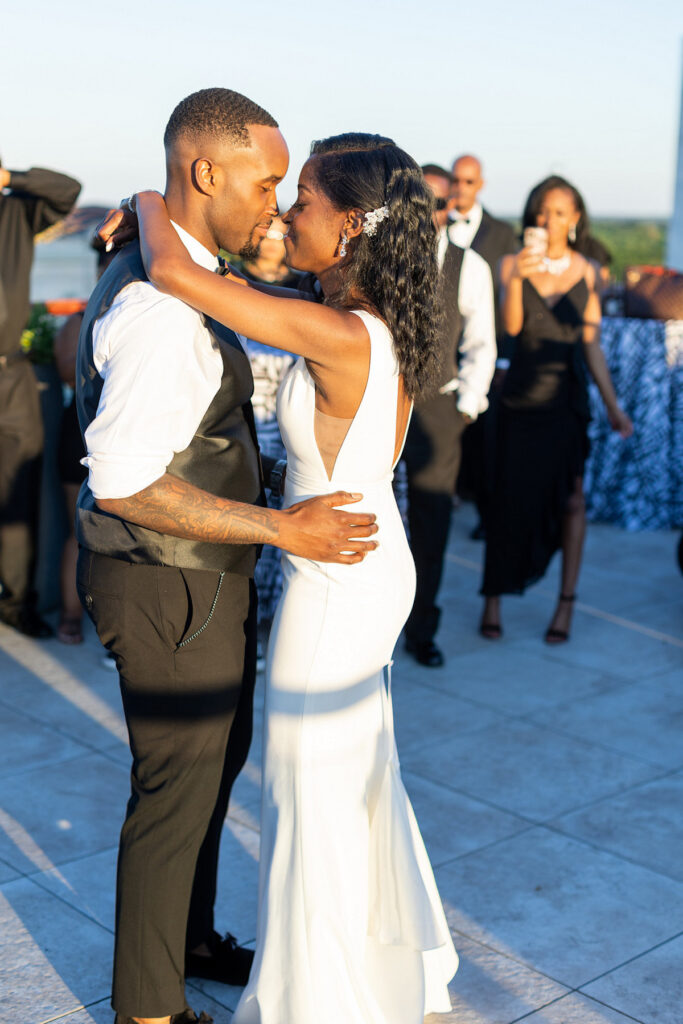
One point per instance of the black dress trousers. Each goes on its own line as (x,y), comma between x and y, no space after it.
(432,457)
(185,647)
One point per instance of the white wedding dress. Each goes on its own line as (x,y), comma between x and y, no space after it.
(350,926)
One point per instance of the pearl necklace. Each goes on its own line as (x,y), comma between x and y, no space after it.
(559,265)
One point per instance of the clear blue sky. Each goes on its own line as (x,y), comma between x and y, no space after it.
(589,88)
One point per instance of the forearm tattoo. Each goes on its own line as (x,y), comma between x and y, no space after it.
(172,506)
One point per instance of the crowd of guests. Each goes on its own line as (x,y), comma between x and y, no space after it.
(505,423)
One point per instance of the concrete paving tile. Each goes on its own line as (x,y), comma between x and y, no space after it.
(245,799)
(645,825)
(102,1013)
(119,753)
(517,678)
(671,679)
(634,552)
(649,988)
(666,616)
(613,590)
(52,959)
(49,660)
(85,705)
(421,712)
(453,824)
(523,769)
(62,812)
(489,988)
(96,1013)
(642,720)
(7,872)
(611,648)
(237,890)
(577,1009)
(656,610)
(559,906)
(88,884)
(203,994)
(26,743)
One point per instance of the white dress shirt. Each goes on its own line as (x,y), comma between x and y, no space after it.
(477,349)
(161,369)
(465,226)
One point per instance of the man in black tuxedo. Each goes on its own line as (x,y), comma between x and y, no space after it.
(473,227)
(432,450)
(169,522)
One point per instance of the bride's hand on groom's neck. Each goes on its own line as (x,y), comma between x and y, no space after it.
(118,227)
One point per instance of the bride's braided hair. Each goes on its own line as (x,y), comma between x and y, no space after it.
(394,270)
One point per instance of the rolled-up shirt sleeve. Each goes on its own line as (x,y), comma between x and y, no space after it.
(160,369)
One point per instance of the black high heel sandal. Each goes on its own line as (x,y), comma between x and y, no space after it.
(490,630)
(559,636)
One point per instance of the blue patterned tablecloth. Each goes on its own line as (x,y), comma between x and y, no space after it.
(269,366)
(638,483)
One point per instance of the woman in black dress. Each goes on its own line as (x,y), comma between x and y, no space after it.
(551,309)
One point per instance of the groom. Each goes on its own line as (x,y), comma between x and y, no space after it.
(168,522)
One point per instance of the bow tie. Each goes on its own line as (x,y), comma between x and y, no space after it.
(461,220)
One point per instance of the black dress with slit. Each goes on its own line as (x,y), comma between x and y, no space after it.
(542,441)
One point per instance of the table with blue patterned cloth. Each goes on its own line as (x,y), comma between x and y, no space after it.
(638,483)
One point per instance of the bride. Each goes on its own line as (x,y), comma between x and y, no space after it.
(350,925)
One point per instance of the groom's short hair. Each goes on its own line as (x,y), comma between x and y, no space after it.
(216,114)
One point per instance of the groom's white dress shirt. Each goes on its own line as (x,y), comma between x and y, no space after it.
(464,227)
(161,369)
(477,349)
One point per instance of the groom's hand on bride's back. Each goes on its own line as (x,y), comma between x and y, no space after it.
(319,530)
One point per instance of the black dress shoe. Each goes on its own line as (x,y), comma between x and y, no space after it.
(27,621)
(426,653)
(227,962)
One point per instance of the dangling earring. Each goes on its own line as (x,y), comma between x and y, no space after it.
(342,247)
(571,234)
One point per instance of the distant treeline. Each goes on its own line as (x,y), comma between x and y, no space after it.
(631,242)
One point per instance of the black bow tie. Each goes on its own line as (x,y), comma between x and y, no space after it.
(461,220)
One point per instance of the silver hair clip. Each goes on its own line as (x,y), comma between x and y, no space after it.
(373,218)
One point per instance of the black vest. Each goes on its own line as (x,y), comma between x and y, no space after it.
(451,317)
(222,457)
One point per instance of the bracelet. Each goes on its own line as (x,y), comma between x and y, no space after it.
(129,203)
(277,477)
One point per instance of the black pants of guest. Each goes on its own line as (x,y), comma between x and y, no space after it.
(21,445)
(432,458)
(476,479)
(187,681)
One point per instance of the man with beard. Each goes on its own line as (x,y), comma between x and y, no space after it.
(168,522)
